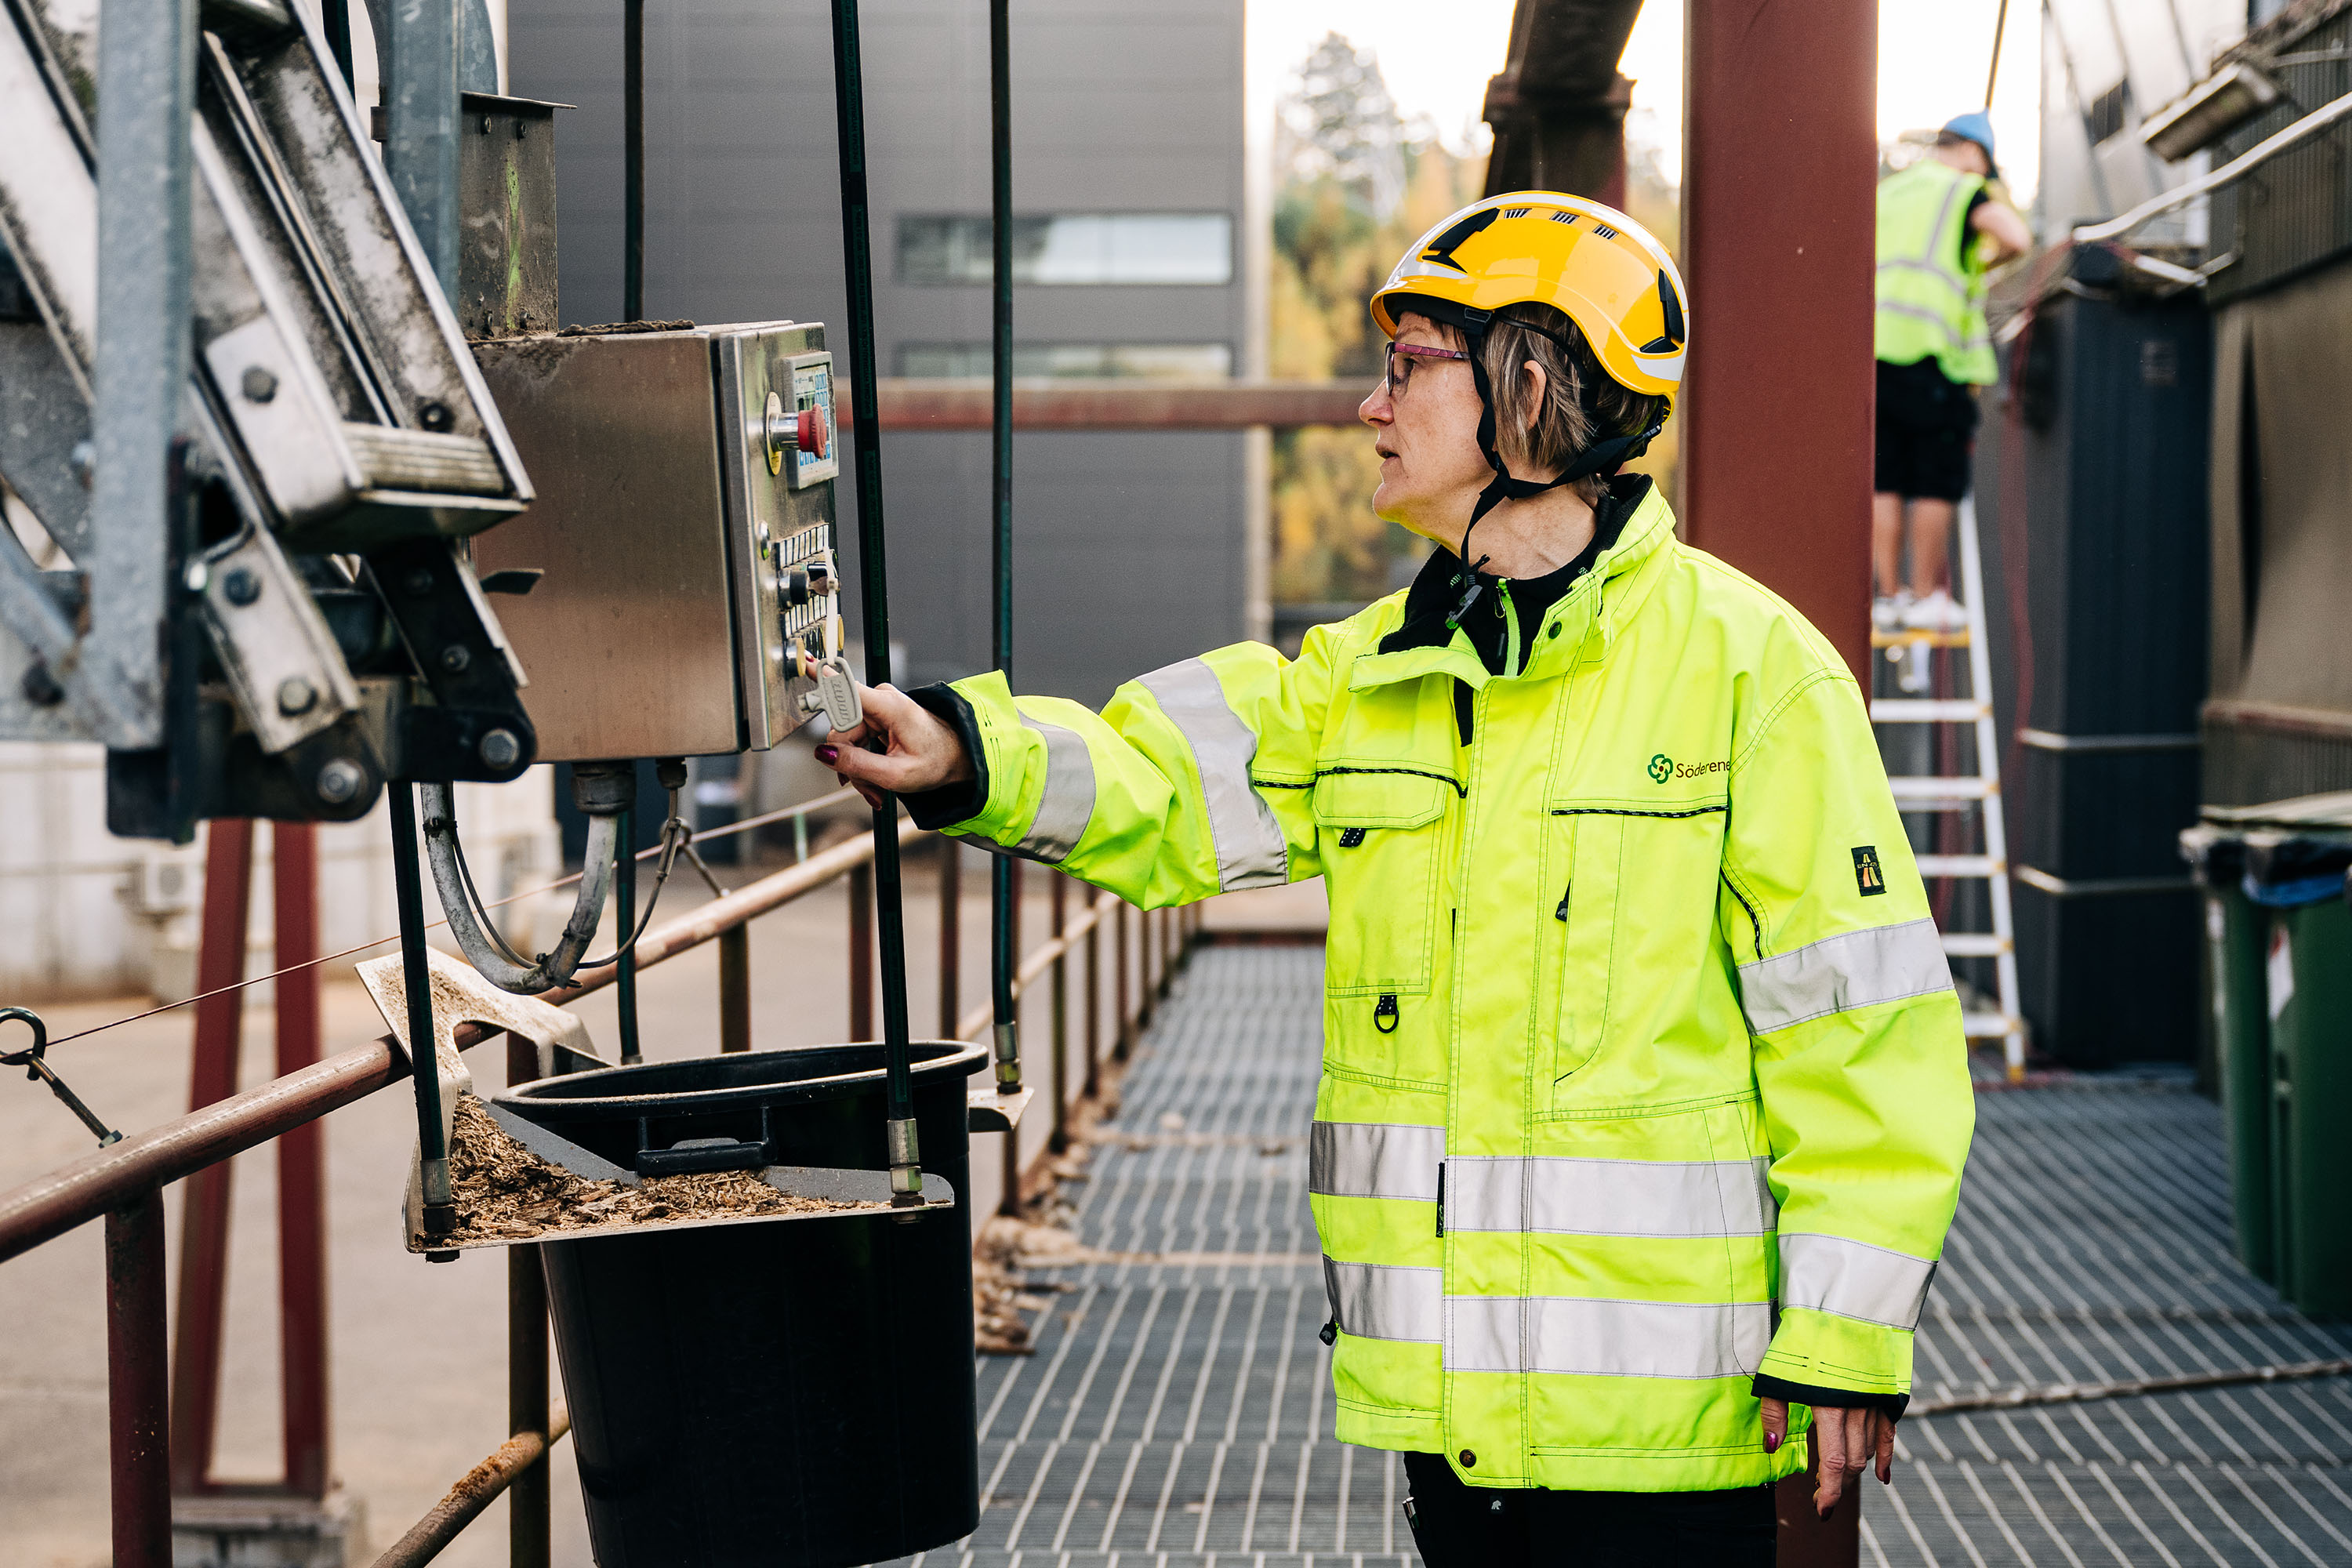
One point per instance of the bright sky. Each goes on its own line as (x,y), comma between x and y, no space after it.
(1932,55)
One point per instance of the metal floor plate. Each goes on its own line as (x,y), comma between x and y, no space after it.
(1178,1410)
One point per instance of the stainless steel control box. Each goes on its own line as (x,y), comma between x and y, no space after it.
(684,529)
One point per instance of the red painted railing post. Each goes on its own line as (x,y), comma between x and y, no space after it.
(203,1222)
(138,1381)
(301,1161)
(950,936)
(1059,890)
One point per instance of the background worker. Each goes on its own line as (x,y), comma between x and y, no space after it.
(1941,227)
(1644,1097)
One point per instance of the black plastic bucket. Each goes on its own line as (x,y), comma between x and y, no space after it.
(794,1394)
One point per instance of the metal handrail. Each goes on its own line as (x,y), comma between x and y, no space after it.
(122,1183)
(47,1206)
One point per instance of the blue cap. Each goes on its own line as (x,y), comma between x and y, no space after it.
(1977,127)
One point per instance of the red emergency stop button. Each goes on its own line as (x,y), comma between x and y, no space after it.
(814,438)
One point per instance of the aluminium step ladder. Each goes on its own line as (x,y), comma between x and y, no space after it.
(1978,793)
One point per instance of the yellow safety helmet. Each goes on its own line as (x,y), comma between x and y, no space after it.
(1592,263)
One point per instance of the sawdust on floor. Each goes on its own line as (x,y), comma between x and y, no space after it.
(506,1193)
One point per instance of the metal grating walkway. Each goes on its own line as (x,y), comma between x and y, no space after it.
(1178,1409)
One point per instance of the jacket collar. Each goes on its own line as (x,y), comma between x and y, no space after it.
(1589,613)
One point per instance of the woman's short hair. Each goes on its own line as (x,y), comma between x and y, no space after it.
(1581,404)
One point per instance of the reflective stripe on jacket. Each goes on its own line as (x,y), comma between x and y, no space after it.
(1643,1070)
(1931,291)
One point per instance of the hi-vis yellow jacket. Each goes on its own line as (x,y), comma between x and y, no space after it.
(1930,280)
(1643,1070)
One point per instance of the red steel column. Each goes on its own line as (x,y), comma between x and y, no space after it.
(1779,233)
(1780,171)
(301,1161)
(204,1223)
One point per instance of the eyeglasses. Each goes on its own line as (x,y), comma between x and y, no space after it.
(1398,375)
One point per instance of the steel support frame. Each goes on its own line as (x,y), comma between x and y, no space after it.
(146,83)
(1775,471)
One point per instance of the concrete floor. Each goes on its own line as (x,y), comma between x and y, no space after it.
(418,1350)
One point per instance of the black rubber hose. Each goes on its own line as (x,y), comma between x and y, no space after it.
(858,258)
(450,881)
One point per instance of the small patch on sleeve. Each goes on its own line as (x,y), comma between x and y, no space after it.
(1868,879)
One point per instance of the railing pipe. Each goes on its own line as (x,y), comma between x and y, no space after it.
(861,952)
(950,936)
(73,1195)
(480,1487)
(1094,990)
(138,1382)
(1125,1043)
(735,989)
(1004,877)
(1059,894)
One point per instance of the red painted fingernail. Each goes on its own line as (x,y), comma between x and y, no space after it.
(1771,1442)
(826,753)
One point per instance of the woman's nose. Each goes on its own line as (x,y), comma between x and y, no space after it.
(1376,409)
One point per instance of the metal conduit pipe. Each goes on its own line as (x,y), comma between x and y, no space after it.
(449,876)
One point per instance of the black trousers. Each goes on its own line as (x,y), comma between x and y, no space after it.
(1458,1526)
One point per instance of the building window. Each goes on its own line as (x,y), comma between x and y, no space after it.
(1071,247)
(1145,362)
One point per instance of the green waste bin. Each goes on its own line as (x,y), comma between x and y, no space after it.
(2298,853)
(2237,936)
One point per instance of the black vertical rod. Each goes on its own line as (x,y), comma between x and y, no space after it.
(335,16)
(424,1061)
(858,258)
(625,924)
(633,154)
(1002,960)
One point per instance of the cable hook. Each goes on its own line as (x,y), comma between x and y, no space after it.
(38,1071)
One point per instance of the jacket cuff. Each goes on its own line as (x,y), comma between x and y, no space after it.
(1891,1405)
(1847,1356)
(944,808)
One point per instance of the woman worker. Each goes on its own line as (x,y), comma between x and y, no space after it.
(1644,1096)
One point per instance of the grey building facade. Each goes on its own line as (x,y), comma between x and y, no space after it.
(1133,549)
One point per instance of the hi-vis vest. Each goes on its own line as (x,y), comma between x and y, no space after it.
(1643,1070)
(1931,288)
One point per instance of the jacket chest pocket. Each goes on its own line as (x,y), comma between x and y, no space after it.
(1635,917)
(1381,837)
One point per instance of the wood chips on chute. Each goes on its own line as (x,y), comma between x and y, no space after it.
(506,1193)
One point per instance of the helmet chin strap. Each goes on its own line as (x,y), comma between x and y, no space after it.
(1602,457)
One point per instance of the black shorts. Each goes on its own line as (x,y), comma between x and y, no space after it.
(1926,429)
(1458,1526)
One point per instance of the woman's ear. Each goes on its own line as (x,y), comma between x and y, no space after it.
(1538,383)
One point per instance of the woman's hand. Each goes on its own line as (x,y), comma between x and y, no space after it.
(1850,1439)
(920,753)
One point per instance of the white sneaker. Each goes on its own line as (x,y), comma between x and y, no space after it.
(1936,613)
(1886,614)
